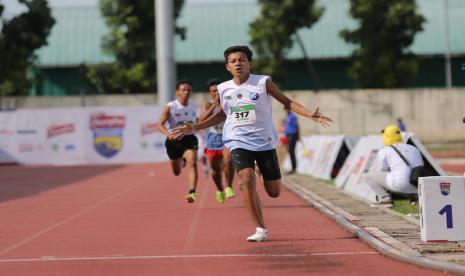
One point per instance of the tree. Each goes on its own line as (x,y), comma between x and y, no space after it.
(131,41)
(272,33)
(387,28)
(19,38)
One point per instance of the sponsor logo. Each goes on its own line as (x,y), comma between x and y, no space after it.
(147,129)
(445,188)
(107,133)
(158,145)
(26,131)
(70,147)
(358,165)
(253,96)
(228,98)
(239,96)
(5,132)
(25,147)
(55,147)
(56,130)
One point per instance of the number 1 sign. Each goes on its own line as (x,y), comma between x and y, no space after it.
(442,208)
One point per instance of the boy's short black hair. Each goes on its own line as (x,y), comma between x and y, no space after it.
(183,81)
(238,48)
(211,82)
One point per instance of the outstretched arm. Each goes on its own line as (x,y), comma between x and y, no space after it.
(187,129)
(316,116)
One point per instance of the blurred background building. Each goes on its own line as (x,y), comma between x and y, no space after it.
(212,26)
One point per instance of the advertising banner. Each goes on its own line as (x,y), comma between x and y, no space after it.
(326,156)
(146,142)
(7,137)
(305,152)
(350,178)
(71,136)
(65,133)
(31,136)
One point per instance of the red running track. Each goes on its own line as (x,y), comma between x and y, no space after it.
(132,220)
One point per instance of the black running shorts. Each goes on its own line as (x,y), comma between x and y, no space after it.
(267,162)
(176,148)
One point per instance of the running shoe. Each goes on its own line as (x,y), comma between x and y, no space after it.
(384,202)
(220,197)
(229,192)
(190,198)
(260,235)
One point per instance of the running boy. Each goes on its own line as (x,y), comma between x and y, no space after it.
(249,132)
(218,156)
(181,152)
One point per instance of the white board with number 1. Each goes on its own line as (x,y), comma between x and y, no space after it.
(442,208)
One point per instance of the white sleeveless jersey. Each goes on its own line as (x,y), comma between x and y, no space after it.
(180,114)
(249,123)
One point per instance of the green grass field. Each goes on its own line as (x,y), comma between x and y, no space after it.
(401,205)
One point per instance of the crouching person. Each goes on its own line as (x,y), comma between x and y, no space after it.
(390,172)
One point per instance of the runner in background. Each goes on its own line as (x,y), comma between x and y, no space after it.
(183,152)
(218,156)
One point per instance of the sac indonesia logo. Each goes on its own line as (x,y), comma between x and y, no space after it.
(445,188)
(107,133)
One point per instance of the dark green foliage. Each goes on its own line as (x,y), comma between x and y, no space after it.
(272,33)
(19,38)
(387,29)
(132,42)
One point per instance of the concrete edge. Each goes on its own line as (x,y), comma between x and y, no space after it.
(386,209)
(372,240)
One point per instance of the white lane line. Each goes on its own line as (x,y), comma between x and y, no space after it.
(190,237)
(53,226)
(158,257)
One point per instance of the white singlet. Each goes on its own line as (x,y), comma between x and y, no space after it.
(180,114)
(248,107)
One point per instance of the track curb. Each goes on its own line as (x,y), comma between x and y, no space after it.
(375,241)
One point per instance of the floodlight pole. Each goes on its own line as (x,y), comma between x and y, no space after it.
(166,70)
(447,38)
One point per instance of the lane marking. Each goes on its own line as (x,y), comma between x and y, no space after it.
(161,257)
(190,238)
(53,226)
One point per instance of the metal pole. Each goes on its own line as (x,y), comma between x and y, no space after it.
(166,70)
(83,97)
(447,54)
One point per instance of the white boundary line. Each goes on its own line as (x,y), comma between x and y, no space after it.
(159,257)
